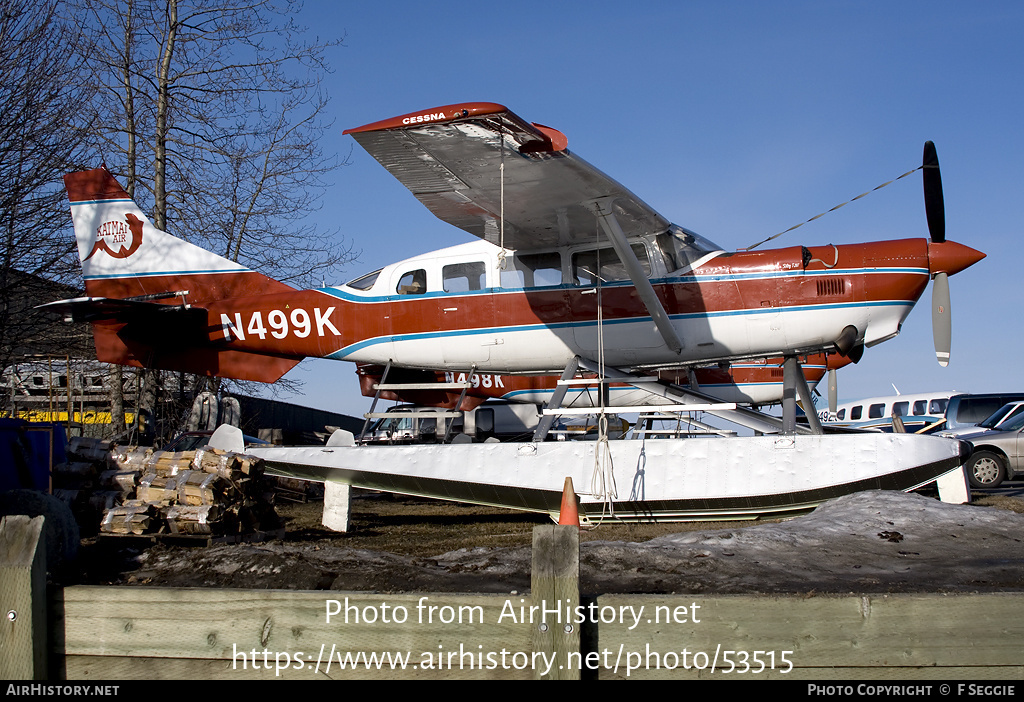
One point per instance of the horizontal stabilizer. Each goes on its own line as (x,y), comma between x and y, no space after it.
(95,309)
(148,334)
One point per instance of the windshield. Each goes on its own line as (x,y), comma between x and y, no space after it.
(1001,415)
(684,249)
(365,282)
(1014,424)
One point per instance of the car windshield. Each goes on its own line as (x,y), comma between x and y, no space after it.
(1014,413)
(1014,424)
(996,416)
(188,442)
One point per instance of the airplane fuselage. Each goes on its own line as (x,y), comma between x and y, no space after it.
(729,307)
(567,263)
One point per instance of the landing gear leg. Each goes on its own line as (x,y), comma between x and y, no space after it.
(794,385)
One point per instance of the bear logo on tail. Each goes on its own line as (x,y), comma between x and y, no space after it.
(117,233)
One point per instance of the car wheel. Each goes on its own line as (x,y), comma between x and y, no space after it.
(985,469)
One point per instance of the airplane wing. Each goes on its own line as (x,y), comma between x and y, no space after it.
(451,159)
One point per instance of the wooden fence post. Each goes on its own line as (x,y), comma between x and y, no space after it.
(555,588)
(22,598)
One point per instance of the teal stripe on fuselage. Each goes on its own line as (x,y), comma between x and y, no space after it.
(416,336)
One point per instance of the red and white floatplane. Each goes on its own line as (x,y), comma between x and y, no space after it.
(571,274)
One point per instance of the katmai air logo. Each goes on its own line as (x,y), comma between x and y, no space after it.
(112,237)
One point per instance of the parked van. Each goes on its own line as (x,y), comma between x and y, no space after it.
(969,410)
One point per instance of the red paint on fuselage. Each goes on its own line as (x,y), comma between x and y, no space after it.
(777,279)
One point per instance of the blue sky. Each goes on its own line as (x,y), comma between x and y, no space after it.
(734,119)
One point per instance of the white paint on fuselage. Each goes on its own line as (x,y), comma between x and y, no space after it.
(706,336)
(524,349)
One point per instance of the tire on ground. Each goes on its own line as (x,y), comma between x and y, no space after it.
(985,469)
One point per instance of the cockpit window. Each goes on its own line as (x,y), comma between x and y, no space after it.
(412,283)
(683,248)
(604,264)
(365,282)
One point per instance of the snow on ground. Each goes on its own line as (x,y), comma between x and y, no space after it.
(869,542)
(874,541)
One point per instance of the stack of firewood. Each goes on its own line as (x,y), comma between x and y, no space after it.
(207,491)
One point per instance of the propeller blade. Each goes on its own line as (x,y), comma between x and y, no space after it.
(934,208)
(833,392)
(942,327)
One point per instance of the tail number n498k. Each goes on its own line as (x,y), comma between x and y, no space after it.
(279,324)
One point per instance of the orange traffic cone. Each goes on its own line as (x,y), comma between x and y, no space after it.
(568,513)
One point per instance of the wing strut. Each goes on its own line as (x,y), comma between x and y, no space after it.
(602,207)
(555,402)
(758,422)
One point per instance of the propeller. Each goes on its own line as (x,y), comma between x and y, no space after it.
(935,211)
(934,208)
(944,259)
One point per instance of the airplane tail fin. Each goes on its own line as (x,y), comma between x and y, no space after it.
(148,290)
(123,255)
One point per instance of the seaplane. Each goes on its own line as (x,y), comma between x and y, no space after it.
(757,383)
(570,274)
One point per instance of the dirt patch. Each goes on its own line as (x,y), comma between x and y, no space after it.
(394,544)
(872,541)
(869,542)
(1013,504)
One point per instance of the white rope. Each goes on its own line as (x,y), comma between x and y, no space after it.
(501,223)
(603,479)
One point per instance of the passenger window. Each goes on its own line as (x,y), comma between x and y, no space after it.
(899,409)
(920,406)
(463,277)
(413,283)
(532,270)
(855,413)
(603,264)
(876,411)
(938,406)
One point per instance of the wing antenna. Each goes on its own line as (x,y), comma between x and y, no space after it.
(797,226)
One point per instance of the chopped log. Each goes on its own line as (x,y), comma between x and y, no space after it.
(133,517)
(193,519)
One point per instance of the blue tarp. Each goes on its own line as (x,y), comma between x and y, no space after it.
(27,451)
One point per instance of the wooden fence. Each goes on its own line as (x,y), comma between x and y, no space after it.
(110,633)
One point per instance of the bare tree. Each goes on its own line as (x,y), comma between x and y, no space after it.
(212,113)
(225,104)
(39,142)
